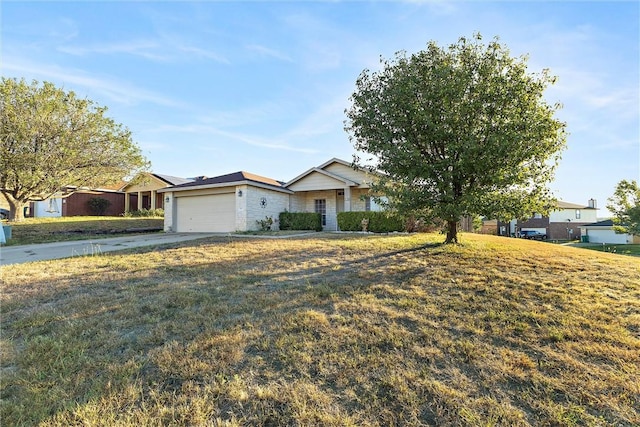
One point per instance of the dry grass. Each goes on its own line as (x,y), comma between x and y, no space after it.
(330,330)
(43,230)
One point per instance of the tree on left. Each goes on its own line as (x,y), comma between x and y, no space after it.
(51,139)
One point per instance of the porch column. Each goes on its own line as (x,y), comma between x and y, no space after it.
(153,199)
(347,199)
(139,200)
(126,201)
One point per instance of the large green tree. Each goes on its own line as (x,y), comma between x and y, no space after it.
(458,131)
(51,139)
(625,206)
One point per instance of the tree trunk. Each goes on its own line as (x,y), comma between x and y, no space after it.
(452,232)
(16,208)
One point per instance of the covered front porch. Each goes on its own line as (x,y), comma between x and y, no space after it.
(328,203)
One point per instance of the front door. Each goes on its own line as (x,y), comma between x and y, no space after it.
(340,201)
(320,206)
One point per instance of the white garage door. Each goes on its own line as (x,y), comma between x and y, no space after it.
(213,213)
(606,236)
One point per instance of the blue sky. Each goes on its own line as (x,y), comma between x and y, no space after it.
(209,88)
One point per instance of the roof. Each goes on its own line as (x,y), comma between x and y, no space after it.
(334,160)
(567,205)
(323,172)
(234,178)
(172,180)
(321,169)
(112,188)
(603,223)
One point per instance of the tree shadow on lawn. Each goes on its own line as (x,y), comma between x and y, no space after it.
(70,342)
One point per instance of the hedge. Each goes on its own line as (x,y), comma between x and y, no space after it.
(379,222)
(300,221)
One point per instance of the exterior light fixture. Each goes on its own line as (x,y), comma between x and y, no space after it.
(239,193)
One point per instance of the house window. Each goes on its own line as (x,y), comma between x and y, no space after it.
(577,213)
(321,208)
(367,204)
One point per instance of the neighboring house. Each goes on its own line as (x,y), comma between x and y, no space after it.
(489,226)
(142,192)
(603,232)
(236,201)
(74,201)
(563,223)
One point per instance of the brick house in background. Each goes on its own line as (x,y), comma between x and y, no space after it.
(74,201)
(562,223)
(123,197)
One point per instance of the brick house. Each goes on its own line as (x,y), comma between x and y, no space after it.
(563,223)
(74,201)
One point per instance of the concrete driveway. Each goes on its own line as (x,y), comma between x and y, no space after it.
(46,251)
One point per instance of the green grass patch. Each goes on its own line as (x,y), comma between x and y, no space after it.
(45,230)
(342,330)
(616,249)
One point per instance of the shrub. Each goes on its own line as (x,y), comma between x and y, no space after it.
(98,205)
(265,224)
(378,222)
(300,221)
(145,213)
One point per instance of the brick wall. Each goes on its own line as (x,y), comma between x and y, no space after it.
(534,223)
(558,230)
(78,204)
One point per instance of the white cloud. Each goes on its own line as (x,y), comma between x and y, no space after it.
(118,91)
(154,50)
(267,52)
(143,48)
(208,131)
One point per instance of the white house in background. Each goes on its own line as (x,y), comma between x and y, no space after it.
(603,232)
(563,223)
(236,201)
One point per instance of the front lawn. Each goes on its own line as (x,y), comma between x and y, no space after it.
(324,330)
(44,230)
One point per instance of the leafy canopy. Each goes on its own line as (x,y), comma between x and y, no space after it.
(51,138)
(458,131)
(625,205)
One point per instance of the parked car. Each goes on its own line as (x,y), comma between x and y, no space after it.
(4,214)
(533,235)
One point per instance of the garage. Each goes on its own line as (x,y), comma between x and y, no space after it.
(607,236)
(603,232)
(209,213)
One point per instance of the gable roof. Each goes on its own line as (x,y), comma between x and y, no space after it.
(335,160)
(321,169)
(322,172)
(172,180)
(235,178)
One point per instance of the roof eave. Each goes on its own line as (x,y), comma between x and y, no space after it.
(346,181)
(223,184)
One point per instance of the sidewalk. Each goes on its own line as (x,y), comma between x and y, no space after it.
(47,251)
